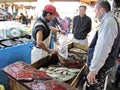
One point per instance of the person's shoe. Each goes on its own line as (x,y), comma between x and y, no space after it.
(114,84)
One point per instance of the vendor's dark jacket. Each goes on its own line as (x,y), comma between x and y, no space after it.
(81,26)
(40,24)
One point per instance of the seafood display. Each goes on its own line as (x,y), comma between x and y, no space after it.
(80,51)
(77,54)
(71,63)
(15,41)
(21,70)
(33,79)
(55,73)
(23,40)
(60,73)
(10,42)
(49,85)
(1,46)
(76,58)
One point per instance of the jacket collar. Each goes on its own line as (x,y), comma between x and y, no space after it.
(44,19)
(106,15)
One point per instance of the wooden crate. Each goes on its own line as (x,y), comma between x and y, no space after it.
(54,59)
(83,47)
(14,85)
(76,45)
(45,62)
(15,70)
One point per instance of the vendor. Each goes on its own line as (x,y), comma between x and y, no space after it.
(41,33)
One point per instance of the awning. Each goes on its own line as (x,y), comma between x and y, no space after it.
(63,0)
(87,1)
(18,0)
(84,1)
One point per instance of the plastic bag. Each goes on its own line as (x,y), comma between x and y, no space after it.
(64,24)
(63,47)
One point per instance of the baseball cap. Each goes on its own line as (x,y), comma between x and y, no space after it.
(50,8)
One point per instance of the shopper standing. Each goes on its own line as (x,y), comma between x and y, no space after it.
(104,47)
(81,27)
(41,33)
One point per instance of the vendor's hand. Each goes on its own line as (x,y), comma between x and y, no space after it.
(91,77)
(63,32)
(54,51)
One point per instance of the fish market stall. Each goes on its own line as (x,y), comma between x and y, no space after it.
(68,70)
(62,73)
(47,73)
(24,77)
(15,45)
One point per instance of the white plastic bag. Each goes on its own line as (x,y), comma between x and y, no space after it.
(63,47)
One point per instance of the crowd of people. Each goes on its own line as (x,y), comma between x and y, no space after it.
(23,19)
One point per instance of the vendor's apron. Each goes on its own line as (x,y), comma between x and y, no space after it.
(38,53)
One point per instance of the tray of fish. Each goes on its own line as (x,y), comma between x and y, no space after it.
(23,40)
(60,73)
(1,46)
(78,50)
(64,72)
(24,77)
(10,42)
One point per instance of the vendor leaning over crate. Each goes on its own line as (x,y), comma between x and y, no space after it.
(104,47)
(41,33)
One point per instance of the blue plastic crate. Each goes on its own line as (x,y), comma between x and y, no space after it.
(9,55)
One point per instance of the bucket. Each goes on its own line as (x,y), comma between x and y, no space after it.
(2,87)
